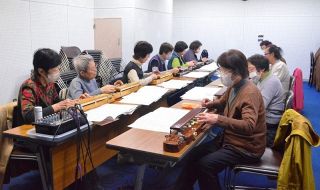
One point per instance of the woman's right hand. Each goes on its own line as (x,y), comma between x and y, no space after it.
(190,63)
(64,104)
(118,83)
(205,102)
(154,76)
(108,89)
(84,96)
(175,70)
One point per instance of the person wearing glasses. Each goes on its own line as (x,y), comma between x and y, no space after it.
(243,122)
(85,84)
(278,67)
(265,44)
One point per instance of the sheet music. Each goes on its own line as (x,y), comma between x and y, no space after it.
(145,95)
(110,110)
(200,93)
(196,74)
(159,120)
(209,68)
(174,84)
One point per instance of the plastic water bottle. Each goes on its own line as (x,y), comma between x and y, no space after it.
(37,113)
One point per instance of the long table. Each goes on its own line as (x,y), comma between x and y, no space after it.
(146,147)
(57,160)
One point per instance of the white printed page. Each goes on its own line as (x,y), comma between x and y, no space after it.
(174,84)
(196,74)
(145,95)
(159,120)
(110,110)
(200,93)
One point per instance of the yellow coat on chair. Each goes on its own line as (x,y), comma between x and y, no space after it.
(297,134)
(6,145)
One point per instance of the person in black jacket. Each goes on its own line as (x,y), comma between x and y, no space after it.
(133,71)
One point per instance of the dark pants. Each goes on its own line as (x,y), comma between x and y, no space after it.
(205,162)
(271,133)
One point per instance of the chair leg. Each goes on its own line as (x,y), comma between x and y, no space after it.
(227,178)
(231,177)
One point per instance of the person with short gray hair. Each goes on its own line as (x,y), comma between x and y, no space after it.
(85,84)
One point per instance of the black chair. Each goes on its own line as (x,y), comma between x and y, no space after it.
(291,83)
(312,63)
(24,152)
(289,100)
(65,79)
(117,64)
(67,54)
(96,54)
(268,165)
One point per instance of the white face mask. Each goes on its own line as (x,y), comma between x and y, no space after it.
(252,74)
(53,77)
(226,79)
(257,78)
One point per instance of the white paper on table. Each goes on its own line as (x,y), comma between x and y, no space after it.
(145,95)
(160,119)
(174,84)
(200,93)
(209,68)
(110,110)
(196,74)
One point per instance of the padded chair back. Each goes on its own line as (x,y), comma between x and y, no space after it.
(312,63)
(6,145)
(67,54)
(291,84)
(316,69)
(117,64)
(289,100)
(63,94)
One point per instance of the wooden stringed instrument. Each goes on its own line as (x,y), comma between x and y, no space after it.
(125,89)
(162,77)
(184,131)
(98,100)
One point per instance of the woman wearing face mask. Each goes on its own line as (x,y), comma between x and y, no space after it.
(243,121)
(272,93)
(39,90)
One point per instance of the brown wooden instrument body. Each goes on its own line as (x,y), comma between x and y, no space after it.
(183,131)
(125,89)
(162,78)
(98,100)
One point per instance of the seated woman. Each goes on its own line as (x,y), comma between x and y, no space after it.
(85,84)
(278,68)
(243,122)
(133,71)
(176,59)
(191,54)
(158,61)
(272,93)
(39,90)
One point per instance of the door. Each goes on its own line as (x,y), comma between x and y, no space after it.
(108,36)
